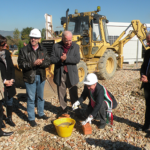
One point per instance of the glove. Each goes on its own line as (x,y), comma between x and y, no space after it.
(89,119)
(75,105)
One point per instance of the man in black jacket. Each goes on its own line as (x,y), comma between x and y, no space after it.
(145,78)
(33,59)
(101,101)
(65,55)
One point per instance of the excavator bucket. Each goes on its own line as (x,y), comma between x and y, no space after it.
(19,83)
(50,88)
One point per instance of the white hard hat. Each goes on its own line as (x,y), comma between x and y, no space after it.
(90,79)
(35,33)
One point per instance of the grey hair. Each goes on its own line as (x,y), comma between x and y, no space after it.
(148,34)
(65,33)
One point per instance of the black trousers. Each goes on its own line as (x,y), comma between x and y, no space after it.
(73,91)
(147,103)
(101,115)
(1,117)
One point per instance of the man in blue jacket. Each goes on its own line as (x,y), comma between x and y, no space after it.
(101,101)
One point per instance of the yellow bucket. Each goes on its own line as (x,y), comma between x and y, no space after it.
(66,130)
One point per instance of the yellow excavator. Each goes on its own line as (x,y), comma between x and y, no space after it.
(89,31)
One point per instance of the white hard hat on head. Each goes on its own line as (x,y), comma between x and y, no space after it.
(35,33)
(90,79)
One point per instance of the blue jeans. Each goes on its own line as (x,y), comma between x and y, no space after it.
(8,101)
(32,89)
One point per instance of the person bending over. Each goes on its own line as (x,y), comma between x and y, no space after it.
(101,101)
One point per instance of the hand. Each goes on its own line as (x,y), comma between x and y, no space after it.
(148,43)
(75,105)
(89,119)
(12,80)
(144,79)
(63,57)
(38,62)
(8,83)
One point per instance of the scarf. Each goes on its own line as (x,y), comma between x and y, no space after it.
(66,48)
(3,57)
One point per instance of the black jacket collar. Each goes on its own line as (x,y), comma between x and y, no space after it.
(29,47)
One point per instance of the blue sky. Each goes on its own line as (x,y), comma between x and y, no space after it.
(30,13)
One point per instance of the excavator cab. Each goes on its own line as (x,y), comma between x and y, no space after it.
(89,31)
(78,25)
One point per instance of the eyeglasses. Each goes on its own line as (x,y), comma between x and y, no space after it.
(34,38)
(3,44)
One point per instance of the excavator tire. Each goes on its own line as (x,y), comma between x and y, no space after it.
(82,72)
(107,65)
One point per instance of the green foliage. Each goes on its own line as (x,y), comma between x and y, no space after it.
(16,41)
(16,34)
(20,44)
(43,33)
(26,41)
(25,33)
(8,37)
(10,40)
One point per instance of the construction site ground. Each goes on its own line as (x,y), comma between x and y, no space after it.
(128,115)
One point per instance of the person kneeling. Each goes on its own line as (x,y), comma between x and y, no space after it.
(101,101)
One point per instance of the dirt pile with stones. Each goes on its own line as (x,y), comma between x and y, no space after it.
(128,115)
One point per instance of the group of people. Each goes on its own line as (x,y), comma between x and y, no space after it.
(33,59)
(65,55)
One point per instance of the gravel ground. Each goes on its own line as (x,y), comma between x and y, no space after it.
(128,115)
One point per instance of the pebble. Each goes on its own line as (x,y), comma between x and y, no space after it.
(128,115)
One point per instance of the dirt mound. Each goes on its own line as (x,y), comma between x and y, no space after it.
(137,92)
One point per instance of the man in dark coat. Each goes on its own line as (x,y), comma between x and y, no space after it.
(145,78)
(65,55)
(33,59)
(101,101)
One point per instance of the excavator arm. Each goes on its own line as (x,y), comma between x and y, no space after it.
(139,30)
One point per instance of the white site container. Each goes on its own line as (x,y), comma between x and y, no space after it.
(132,47)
